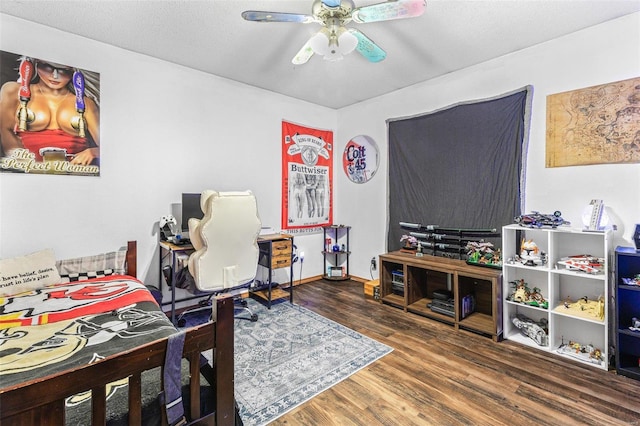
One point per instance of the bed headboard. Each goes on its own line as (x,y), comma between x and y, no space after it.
(132,258)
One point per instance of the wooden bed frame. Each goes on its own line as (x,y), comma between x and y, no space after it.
(41,401)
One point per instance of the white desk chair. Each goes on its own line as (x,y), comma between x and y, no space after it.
(225,243)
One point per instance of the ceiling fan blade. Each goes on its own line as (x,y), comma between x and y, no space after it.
(367,48)
(331,3)
(304,54)
(260,16)
(388,10)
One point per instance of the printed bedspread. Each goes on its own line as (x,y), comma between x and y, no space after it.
(60,327)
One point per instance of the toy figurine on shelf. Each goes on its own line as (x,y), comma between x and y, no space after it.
(536,299)
(539,220)
(576,350)
(524,295)
(522,291)
(483,254)
(583,263)
(632,281)
(409,242)
(584,307)
(530,254)
(635,324)
(536,331)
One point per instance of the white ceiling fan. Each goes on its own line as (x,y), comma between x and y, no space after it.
(334,40)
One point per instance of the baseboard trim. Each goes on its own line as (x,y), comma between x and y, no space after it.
(307,280)
(320,277)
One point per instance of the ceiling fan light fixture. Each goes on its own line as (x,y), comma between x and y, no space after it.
(319,43)
(334,53)
(333,47)
(347,42)
(334,40)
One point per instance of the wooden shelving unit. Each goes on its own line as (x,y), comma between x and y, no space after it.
(336,252)
(627,307)
(559,285)
(422,276)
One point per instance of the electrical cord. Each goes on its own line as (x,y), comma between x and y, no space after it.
(301,263)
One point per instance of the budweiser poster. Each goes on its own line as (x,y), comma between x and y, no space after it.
(307,178)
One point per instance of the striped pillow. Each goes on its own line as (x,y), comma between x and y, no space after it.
(97,266)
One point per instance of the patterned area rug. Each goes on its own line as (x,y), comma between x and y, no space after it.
(290,355)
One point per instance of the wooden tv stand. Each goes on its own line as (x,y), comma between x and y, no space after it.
(421,276)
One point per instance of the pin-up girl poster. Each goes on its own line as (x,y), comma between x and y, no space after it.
(49,117)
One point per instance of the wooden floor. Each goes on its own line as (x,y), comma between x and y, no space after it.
(439,376)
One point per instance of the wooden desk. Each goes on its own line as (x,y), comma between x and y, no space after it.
(275,253)
(174,251)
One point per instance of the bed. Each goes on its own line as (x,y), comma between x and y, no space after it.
(52,353)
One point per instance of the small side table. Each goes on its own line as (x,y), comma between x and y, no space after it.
(275,253)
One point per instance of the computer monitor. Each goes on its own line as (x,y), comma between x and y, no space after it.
(190,208)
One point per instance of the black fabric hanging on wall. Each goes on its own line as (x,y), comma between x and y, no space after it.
(460,167)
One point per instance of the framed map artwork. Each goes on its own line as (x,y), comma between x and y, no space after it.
(594,125)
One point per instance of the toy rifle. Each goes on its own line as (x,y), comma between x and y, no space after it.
(448,241)
(437,230)
(442,246)
(437,237)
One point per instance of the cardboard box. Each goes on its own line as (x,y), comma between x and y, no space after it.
(372,289)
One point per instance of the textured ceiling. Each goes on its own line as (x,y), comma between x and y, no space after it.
(212,37)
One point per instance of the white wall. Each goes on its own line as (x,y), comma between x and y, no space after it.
(165,129)
(601,54)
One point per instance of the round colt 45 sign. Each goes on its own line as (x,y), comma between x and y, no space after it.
(360,159)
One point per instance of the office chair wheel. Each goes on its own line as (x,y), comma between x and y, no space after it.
(254,317)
